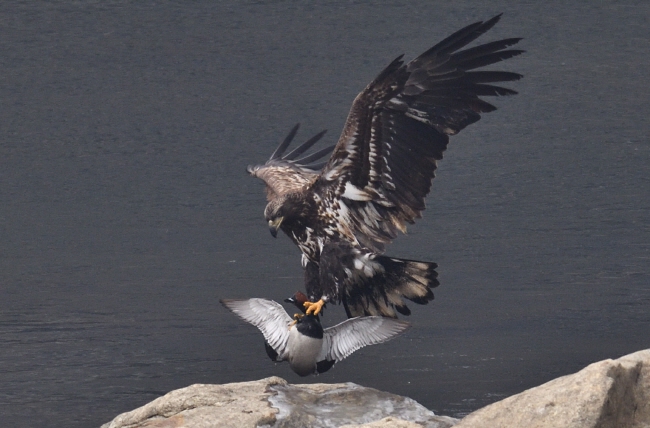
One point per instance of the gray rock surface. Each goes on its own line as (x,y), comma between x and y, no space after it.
(272,402)
(388,422)
(243,404)
(609,393)
(348,404)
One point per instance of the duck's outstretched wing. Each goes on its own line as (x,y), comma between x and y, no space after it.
(398,128)
(285,173)
(267,315)
(343,339)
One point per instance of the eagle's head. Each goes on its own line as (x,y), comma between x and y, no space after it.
(284,209)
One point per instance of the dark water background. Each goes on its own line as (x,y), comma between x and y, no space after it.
(126,213)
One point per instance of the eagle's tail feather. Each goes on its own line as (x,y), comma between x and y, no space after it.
(384,293)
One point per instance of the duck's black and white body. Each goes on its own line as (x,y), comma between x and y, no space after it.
(303,342)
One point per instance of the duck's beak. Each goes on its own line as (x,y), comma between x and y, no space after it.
(274,225)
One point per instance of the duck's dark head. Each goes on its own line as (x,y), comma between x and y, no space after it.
(298,300)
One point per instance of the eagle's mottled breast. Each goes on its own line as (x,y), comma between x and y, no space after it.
(319,221)
(302,225)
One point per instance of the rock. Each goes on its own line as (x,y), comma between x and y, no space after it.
(386,423)
(606,394)
(272,402)
(243,404)
(348,404)
(609,393)
(391,422)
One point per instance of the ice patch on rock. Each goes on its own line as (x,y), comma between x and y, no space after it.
(321,406)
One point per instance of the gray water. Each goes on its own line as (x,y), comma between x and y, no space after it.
(126,212)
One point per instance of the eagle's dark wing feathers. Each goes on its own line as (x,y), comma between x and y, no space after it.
(398,128)
(283,173)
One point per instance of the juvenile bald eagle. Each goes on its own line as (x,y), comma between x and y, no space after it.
(376,179)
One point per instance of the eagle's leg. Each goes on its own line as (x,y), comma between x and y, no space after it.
(314,308)
(296,317)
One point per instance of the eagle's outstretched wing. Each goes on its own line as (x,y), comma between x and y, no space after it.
(284,173)
(399,126)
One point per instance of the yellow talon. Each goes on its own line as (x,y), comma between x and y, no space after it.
(314,308)
(296,317)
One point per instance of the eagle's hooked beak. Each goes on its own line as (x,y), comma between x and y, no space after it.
(274,225)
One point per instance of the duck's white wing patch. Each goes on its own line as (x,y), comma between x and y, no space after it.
(343,339)
(267,315)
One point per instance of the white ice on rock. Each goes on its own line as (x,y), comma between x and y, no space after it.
(318,407)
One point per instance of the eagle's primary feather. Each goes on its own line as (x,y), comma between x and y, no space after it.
(380,171)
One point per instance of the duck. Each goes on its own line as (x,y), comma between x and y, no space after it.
(301,340)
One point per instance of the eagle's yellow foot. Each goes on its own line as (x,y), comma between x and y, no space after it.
(314,308)
(296,317)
